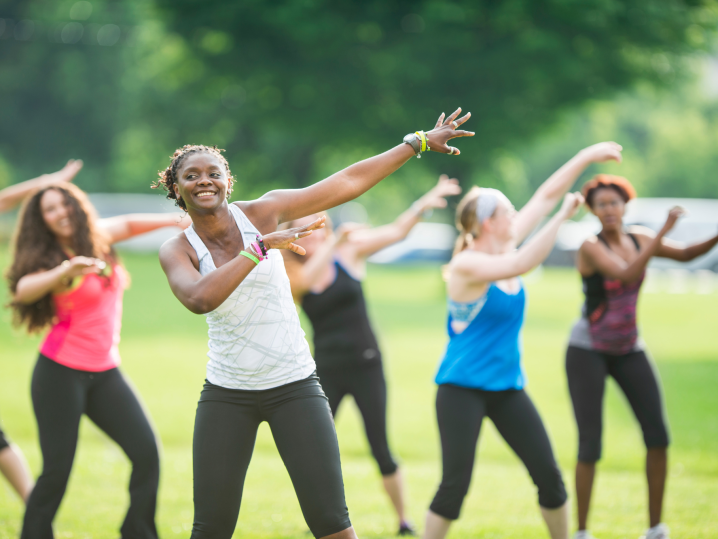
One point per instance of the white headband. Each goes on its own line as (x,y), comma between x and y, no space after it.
(486,205)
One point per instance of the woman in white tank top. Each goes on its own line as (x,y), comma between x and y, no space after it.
(260,367)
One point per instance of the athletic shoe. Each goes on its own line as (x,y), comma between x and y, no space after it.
(406,529)
(660,531)
(583,534)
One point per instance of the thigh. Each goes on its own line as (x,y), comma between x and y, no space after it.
(459,412)
(333,385)
(638,379)
(586,372)
(222,446)
(114,407)
(303,430)
(58,399)
(520,424)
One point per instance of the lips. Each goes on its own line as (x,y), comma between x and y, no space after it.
(205,194)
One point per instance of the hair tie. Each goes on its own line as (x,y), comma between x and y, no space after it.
(486,204)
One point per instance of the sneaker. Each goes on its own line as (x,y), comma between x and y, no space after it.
(583,534)
(406,529)
(659,531)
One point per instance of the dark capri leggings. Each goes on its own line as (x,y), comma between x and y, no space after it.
(460,412)
(635,375)
(60,396)
(224,433)
(4,442)
(368,387)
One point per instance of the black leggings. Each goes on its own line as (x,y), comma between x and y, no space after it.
(368,387)
(60,396)
(460,412)
(635,375)
(224,433)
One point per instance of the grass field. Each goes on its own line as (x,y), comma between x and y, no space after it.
(163,350)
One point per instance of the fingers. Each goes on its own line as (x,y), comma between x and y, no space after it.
(452,150)
(463,119)
(439,121)
(453,116)
(456,134)
(297,249)
(319,223)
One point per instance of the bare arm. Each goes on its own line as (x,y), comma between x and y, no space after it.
(685,253)
(15,194)
(478,268)
(36,286)
(123,227)
(608,263)
(348,184)
(202,294)
(553,189)
(368,241)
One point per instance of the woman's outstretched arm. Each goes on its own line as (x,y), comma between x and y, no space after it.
(366,242)
(348,184)
(608,263)
(683,253)
(553,189)
(479,268)
(124,227)
(15,194)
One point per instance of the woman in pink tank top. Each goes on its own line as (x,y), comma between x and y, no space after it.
(66,276)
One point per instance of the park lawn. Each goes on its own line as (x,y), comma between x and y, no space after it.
(164,348)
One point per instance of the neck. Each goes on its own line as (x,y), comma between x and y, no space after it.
(486,243)
(213,224)
(612,235)
(66,244)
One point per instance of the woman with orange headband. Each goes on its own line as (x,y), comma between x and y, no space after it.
(605,339)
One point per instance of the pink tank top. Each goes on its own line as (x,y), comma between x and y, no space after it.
(86,332)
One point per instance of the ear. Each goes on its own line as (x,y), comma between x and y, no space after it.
(175,188)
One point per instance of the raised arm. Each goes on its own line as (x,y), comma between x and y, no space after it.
(202,294)
(479,268)
(348,184)
(123,227)
(36,286)
(608,263)
(366,242)
(684,253)
(553,189)
(15,194)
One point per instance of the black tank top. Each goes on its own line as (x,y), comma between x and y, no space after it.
(342,333)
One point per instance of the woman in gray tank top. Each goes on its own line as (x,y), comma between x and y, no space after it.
(260,369)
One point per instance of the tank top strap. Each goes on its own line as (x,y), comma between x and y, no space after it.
(247,229)
(635,241)
(196,243)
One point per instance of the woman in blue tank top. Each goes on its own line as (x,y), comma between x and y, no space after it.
(481,374)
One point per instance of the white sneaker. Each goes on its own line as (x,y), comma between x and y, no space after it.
(583,534)
(659,531)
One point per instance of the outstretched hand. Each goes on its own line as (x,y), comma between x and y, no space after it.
(571,203)
(284,239)
(435,198)
(602,152)
(445,130)
(676,213)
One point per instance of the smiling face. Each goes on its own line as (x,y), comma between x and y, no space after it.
(608,205)
(57,214)
(202,181)
(312,242)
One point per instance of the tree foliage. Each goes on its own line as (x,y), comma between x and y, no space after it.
(297,88)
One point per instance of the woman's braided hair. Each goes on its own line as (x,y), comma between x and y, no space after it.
(168,176)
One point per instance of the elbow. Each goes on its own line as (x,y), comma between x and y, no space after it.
(198,305)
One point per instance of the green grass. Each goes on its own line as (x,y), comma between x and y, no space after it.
(163,350)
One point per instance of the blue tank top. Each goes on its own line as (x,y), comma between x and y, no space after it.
(487,354)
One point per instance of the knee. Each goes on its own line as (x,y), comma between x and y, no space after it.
(387,465)
(450,497)
(328,520)
(656,437)
(145,456)
(589,448)
(551,490)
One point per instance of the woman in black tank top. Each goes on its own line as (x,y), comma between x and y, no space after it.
(326,282)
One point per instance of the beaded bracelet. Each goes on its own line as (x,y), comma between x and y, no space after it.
(261,245)
(256,250)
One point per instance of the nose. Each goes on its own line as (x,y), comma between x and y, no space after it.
(204,180)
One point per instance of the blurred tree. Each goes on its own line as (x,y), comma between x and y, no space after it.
(295,89)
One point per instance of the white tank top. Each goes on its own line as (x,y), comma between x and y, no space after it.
(255,339)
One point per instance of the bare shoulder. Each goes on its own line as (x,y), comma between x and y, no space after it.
(464,261)
(260,213)
(176,248)
(642,233)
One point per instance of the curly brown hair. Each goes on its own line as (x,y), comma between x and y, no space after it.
(608,181)
(168,176)
(36,249)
